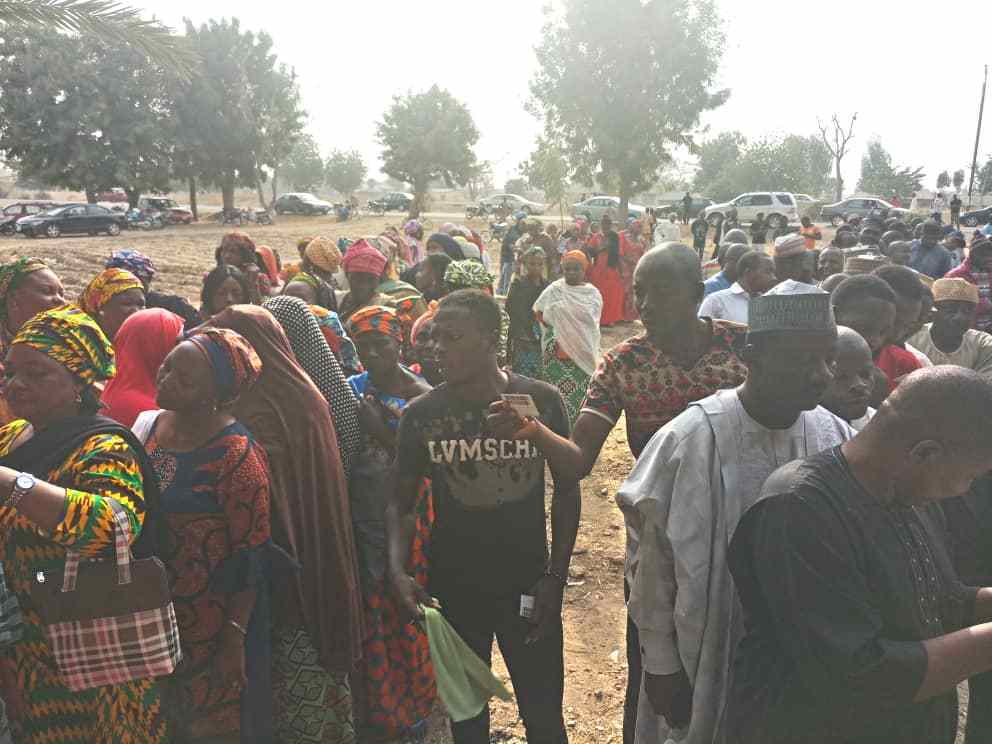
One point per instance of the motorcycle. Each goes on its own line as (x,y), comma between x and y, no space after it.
(498,230)
(477,211)
(262,217)
(376,207)
(145,220)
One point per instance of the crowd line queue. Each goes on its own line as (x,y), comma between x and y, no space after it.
(328,453)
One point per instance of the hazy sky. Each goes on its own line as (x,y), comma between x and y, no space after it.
(912,71)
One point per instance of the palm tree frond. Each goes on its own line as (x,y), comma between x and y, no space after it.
(108,20)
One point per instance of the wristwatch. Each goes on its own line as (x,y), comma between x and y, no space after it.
(24,483)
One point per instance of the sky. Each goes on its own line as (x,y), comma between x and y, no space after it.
(911,71)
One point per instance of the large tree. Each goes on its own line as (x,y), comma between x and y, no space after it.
(943,180)
(87,115)
(958,179)
(837,138)
(345,170)
(241,113)
(880,176)
(984,178)
(547,170)
(427,136)
(621,83)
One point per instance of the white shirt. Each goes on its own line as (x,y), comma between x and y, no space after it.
(667,232)
(682,501)
(727,304)
(859,424)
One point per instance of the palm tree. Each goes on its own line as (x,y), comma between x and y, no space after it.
(108,20)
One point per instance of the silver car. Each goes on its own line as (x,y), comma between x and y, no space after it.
(595,207)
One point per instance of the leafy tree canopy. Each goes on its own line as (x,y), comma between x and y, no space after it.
(345,171)
(880,176)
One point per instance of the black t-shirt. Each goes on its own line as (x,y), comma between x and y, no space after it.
(699,229)
(489,528)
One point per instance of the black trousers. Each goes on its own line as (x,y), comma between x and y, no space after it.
(536,670)
(634,674)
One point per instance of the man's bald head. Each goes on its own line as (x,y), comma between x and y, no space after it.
(852,342)
(735,236)
(673,260)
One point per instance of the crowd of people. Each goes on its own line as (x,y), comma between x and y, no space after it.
(326,448)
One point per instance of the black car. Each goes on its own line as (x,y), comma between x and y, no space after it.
(301,204)
(76,218)
(13,212)
(396,201)
(977,217)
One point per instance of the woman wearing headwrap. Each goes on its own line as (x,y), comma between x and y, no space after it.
(238,249)
(317,616)
(632,247)
(141,345)
(322,367)
(469,274)
(292,269)
(142,267)
(214,479)
(525,332)
(414,232)
(363,264)
(313,290)
(222,287)
(270,266)
(976,270)
(27,287)
(441,242)
(322,258)
(111,298)
(84,468)
(569,313)
(398,676)
(337,338)
(604,274)
(422,354)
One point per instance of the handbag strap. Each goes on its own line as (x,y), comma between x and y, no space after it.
(122,552)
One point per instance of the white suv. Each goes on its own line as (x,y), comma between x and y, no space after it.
(779,208)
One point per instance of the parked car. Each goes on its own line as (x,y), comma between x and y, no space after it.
(175,213)
(862,206)
(112,195)
(512,202)
(779,208)
(75,218)
(14,212)
(595,207)
(977,217)
(396,201)
(301,203)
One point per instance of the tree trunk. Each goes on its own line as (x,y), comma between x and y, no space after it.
(624,203)
(419,193)
(227,192)
(275,183)
(839,190)
(133,195)
(261,194)
(90,196)
(192,199)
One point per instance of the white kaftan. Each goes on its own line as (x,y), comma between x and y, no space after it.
(682,502)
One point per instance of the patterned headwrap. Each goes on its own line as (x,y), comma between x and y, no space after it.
(422,321)
(413,228)
(73,339)
(105,286)
(579,256)
(10,276)
(324,254)
(376,319)
(130,260)
(233,361)
(363,258)
(468,274)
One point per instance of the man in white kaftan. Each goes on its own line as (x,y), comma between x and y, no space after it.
(688,490)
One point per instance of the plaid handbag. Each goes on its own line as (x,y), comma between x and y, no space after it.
(106,621)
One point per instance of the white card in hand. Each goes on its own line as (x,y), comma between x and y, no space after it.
(523,404)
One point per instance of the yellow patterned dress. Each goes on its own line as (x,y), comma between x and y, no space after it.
(129,713)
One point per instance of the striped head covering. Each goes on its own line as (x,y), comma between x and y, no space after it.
(105,286)
(468,274)
(73,339)
(233,361)
(324,254)
(579,256)
(377,319)
(10,276)
(130,260)
(363,258)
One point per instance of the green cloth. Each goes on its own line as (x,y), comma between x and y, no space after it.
(464,682)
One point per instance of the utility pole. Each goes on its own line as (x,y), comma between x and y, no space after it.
(978,136)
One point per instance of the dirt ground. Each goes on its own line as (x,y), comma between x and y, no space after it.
(595,659)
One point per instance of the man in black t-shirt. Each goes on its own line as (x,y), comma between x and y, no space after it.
(488,546)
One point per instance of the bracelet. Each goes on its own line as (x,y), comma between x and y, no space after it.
(238,627)
(555,575)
